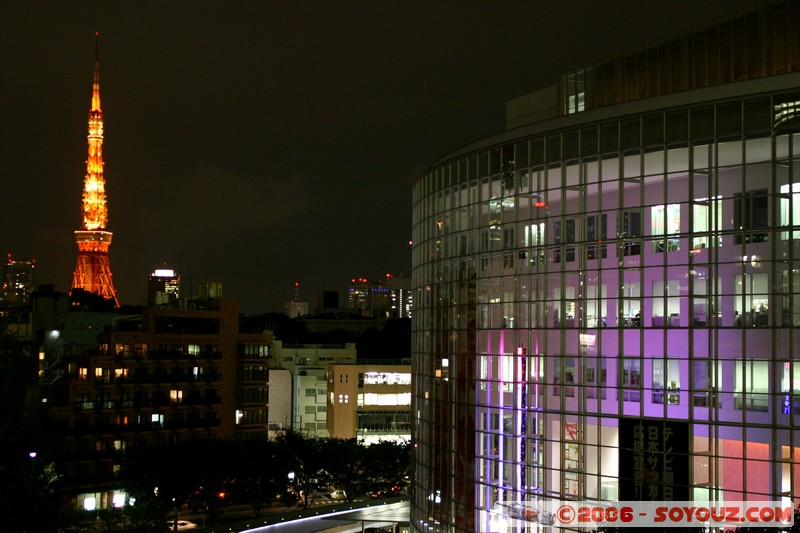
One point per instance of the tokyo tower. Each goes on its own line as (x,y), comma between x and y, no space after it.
(93,271)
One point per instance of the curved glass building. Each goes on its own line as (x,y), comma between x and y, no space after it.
(619,270)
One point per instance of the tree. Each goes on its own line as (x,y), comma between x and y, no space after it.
(28,473)
(257,478)
(388,464)
(165,477)
(345,465)
(303,456)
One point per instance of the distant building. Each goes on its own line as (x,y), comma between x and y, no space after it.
(295,309)
(401,299)
(340,321)
(163,287)
(326,301)
(280,401)
(18,281)
(308,365)
(369,402)
(367,299)
(165,375)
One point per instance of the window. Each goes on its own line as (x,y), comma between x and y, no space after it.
(665,220)
(790,388)
(706,221)
(596,234)
(750,212)
(176,396)
(535,238)
(751,305)
(752,385)
(631,300)
(193,349)
(567,238)
(666,303)
(705,384)
(630,232)
(666,381)
(631,380)
(311,393)
(371,398)
(508,245)
(255,350)
(594,377)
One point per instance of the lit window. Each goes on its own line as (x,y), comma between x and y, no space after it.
(372,398)
(176,396)
(751,390)
(666,220)
(666,384)
(706,218)
(89,503)
(118,500)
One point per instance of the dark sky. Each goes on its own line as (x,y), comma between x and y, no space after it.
(259,143)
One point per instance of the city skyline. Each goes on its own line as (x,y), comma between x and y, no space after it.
(261,144)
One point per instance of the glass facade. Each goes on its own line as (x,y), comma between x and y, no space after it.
(585,288)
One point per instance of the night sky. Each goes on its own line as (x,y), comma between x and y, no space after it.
(259,143)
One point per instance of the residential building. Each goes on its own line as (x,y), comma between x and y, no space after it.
(163,376)
(617,271)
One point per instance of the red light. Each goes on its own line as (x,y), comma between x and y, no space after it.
(540,204)
(296,284)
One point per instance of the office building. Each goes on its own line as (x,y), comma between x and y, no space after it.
(401,300)
(619,270)
(308,365)
(369,402)
(18,281)
(367,298)
(163,287)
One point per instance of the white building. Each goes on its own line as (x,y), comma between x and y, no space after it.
(308,364)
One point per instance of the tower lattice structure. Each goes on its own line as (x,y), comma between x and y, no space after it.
(93,271)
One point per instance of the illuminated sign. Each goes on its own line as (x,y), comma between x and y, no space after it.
(387,378)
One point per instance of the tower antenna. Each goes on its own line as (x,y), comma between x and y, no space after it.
(93,273)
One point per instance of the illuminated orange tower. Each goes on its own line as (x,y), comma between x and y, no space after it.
(93,271)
